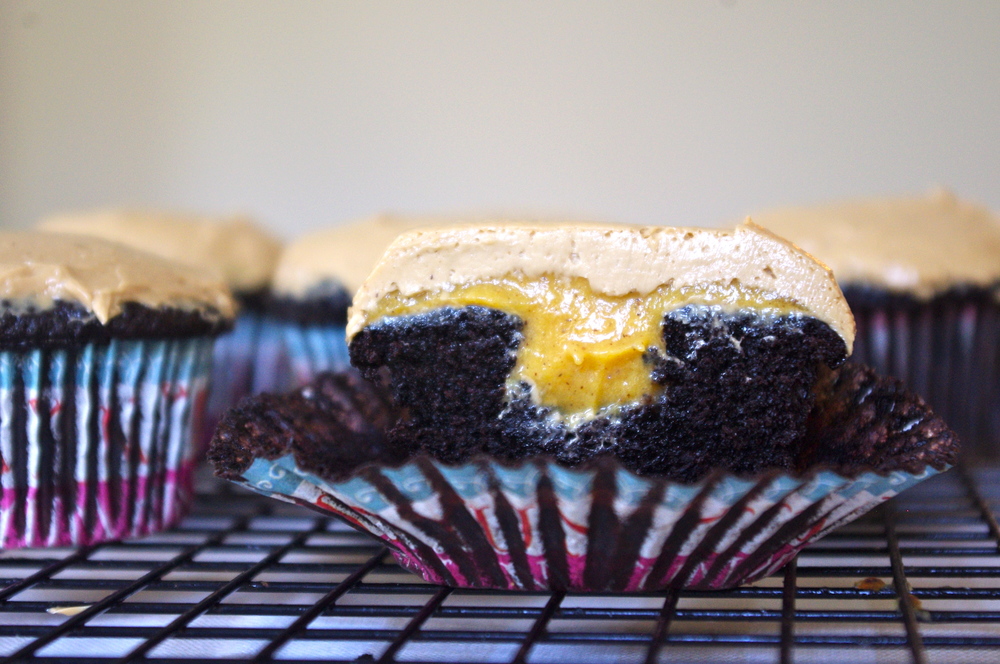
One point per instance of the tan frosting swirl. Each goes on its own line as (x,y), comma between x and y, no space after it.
(921,246)
(38,268)
(615,259)
(242,253)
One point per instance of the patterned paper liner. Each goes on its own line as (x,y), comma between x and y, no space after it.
(538,525)
(313,349)
(249,360)
(948,351)
(95,441)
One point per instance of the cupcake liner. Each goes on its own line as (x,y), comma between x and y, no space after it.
(314,349)
(536,525)
(233,364)
(248,360)
(272,372)
(95,441)
(945,350)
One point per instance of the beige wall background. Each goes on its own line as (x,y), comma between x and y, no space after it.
(310,113)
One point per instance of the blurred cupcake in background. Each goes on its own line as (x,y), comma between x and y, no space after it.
(921,275)
(315,280)
(105,355)
(233,249)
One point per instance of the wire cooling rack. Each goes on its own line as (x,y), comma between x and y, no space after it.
(248,578)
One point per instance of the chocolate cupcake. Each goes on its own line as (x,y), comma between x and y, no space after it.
(104,360)
(233,249)
(921,276)
(590,408)
(313,284)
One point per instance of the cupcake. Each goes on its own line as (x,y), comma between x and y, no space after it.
(231,248)
(104,359)
(921,276)
(591,407)
(315,278)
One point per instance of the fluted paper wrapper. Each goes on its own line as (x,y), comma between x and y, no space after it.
(536,525)
(250,359)
(948,351)
(314,349)
(96,441)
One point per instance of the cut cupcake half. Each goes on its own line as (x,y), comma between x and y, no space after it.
(679,350)
(594,408)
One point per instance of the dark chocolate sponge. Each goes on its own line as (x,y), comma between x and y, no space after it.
(448,368)
(339,424)
(255,301)
(325,304)
(69,324)
(737,391)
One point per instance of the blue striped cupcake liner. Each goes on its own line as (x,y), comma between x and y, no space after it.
(534,524)
(96,441)
(250,359)
(314,349)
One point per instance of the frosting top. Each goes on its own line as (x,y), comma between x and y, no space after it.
(342,254)
(616,260)
(39,268)
(921,246)
(241,253)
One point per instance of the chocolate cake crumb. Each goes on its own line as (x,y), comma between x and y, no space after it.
(325,304)
(448,369)
(69,324)
(737,390)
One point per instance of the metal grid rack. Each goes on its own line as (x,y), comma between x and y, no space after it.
(250,579)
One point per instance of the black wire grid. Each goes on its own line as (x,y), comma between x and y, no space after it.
(247,578)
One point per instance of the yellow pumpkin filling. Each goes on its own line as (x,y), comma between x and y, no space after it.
(583,351)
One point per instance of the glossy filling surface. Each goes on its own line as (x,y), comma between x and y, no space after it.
(585,353)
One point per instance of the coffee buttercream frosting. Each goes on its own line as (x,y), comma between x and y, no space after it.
(921,246)
(40,269)
(614,260)
(240,252)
